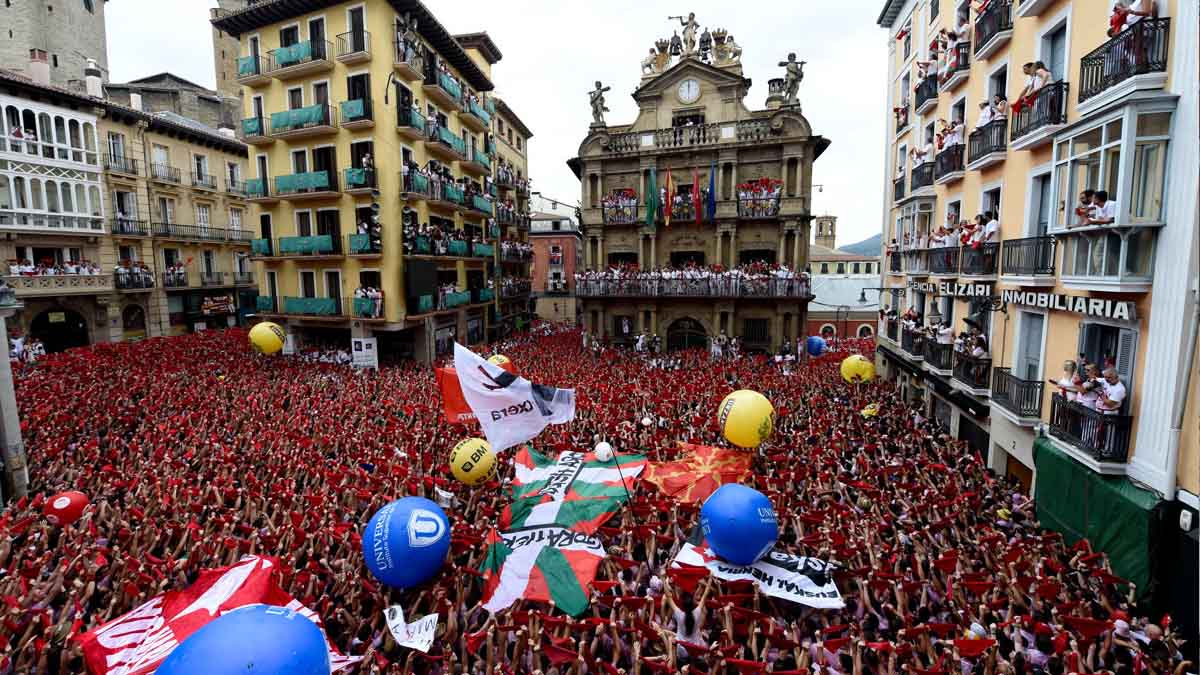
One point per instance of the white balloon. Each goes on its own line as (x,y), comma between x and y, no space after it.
(604,451)
(646,421)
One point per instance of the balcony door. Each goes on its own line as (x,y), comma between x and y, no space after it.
(264,224)
(358,87)
(210,263)
(254,50)
(203,218)
(304,223)
(333,284)
(325,160)
(166,210)
(320,93)
(358,38)
(1054,51)
(1042,206)
(328,223)
(316,35)
(289,36)
(308,284)
(116,147)
(1028,364)
(126,204)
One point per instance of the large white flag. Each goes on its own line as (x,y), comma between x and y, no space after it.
(510,409)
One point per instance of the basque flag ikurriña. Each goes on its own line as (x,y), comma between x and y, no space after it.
(509,408)
(576,491)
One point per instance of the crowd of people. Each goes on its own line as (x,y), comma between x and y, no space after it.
(620,206)
(507,174)
(133,274)
(515,249)
(371,299)
(760,198)
(760,278)
(195,451)
(983,229)
(50,268)
(25,348)
(513,286)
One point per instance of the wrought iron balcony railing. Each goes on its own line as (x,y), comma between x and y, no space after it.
(973,372)
(1022,398)
(1048,108)
(730,287)
(1104,437)
(1032,256)
(1139,49)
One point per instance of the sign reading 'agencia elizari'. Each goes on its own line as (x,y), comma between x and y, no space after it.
(1118,310)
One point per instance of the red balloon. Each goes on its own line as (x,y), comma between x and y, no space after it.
(65,508)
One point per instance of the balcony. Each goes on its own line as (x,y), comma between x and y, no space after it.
(698,135)
(366,309)
(475,117)
(180,232)
(482,205)
(456,299)
(767,288)
(916,261)
(516,289)
(981,261)
(357,114)
(943,261)
(1021,400)
(120,164)
(216,279)
(927,94)
(164,173)
(359,181)
(684,211)
(898,189)
(511,255)
(236,188)
(307,122)
(620,214)
(313,307)
(478,163)
(902,116)
(407,60)
(301,59)
(243,278)
(894,266)
(309,186)
(131,280)
(1107,259)
(264,304)
(354,47)
(410,124)
(253,71)
(987,145)
(972,375)
(939,357)
(948,166)
(483,251)
(177,278)
(314,246)
(758,208)
(1135,59)
(922,179)
(254,131)
(204,181)
(1029,261)
(960,66)
(443,143)
(443,89)
(59,284)
(261,248)
(259,192)
(993,28)
(238,237)
(892,331)
(912,343)
(1099,437)
(363,246)
(414,186)
(447,198)
(129,227)
(1036,123)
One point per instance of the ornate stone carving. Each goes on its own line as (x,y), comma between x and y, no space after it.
(596,97)
(793,75)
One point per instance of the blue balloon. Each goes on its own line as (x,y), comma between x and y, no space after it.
(816,345)
(739,523)
(252,640)
(405,542)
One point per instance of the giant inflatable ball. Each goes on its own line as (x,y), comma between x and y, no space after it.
(739,524)
(472,461)
(746,418)
(604,451)
(267,337)
(65,508)
(815,345)
(504,362)
(252,640)
(858,368)
(406,541)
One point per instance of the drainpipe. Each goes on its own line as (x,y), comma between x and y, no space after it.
(1181,395)
(142,126)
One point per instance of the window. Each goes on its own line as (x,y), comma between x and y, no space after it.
(127,253)
(203,217)
(89,6)
(841,268)
(166,210)
(1054,52)
(1028,364)
(161,155)
(233,172)
(116,147)
(1041,206)
(170,257)
(518,142)
(235,220)
(991,201)
(289,36)
(54,58)
(308,284)
(304,223)
(824,268)
(200,164)
(998,82)
(210,263)
(855,268)
(295,98)
(1110,346)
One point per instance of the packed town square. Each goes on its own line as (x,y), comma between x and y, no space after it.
(202,454)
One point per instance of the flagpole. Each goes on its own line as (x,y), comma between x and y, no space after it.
(622,475)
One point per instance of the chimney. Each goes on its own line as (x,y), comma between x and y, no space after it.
(93,80)
(135,101)
(227,132)
(39,66)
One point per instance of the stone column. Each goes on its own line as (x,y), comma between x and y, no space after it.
(654,250)
(17,473)
(781,252)
(733,257)
(796,251)
(720,245)
(601,264)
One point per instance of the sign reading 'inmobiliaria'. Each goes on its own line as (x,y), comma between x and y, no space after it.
(1120,310)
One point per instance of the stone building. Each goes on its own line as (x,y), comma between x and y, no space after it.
(693,137)
(167,92)
(67,33)
(226,50)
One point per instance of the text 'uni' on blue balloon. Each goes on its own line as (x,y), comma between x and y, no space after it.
(252,640)
(739,524)
(406,542)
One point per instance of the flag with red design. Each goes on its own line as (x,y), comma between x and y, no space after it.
(138,642)
(704,469)
(540,562)
(575,491)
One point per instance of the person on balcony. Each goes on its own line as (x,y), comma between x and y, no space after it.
(1112,393)
(985,115)
(1104,209)
(1090,387)
(999,107)
(1068,384)
(1138,10)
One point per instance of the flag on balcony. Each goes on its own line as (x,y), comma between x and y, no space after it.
(669,201)
(510,409)
(652,204)
(710,208)
(696,193)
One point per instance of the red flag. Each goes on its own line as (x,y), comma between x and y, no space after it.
(453,403)
(700,473)
(696,193)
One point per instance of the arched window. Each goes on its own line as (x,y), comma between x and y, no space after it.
(865,331)
(46,133)
(94,197)
(828,330)
(76,142)
(60,137)
(52,204)
(29,131)
(80,198)
(37,201)
(20,199)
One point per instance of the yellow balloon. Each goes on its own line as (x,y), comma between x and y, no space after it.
(857,368)
(503,361)
(472,461)
(746,417)
(267,337)
(871,410)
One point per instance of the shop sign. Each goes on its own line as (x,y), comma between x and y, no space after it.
(953,289)
(1118,310)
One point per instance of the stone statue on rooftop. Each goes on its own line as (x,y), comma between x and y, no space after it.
(650,63)
(689,32)
(793,75)
(598,108)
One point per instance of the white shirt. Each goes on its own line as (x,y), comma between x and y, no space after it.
(1088,397)
(1137,6)
(985,117)
(1109,210)
(945,336)
(681,634)
(1067,382)
(1116,396)
(991,230)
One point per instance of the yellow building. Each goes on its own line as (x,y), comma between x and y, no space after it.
(511,178)
(355,104)
(1116,113)
(118,224)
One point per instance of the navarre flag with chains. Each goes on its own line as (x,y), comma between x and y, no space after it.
(575,491)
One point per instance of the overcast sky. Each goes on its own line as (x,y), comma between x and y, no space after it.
(553,51)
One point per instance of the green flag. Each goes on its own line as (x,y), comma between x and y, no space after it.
(652,205)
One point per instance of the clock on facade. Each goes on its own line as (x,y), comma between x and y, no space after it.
(688,91)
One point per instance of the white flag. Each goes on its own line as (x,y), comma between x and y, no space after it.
(807,581)
(510,409)
(417,635)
